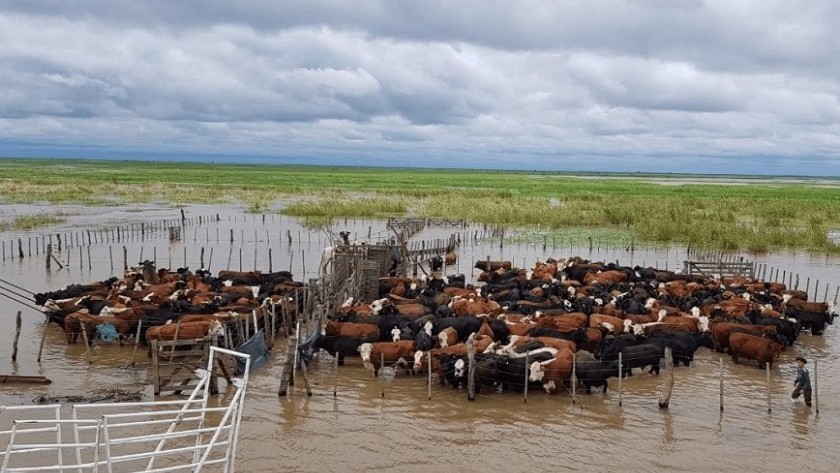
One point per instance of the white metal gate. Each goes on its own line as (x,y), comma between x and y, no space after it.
(158,436)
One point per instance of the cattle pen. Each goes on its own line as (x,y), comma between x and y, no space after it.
(350,399)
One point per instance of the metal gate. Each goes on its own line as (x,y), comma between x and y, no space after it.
(159,436)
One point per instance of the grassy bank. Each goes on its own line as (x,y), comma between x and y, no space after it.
(758,217)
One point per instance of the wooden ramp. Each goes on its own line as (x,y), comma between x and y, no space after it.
(174,365)
(13,378)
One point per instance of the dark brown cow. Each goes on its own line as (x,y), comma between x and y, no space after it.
(722,331)
(451,258)
(751,347)
(488,266)
(351,329)
(812,307)
(241,277)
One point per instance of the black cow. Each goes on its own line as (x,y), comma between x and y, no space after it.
(593,374)
(344,346)
(614,345)
(454,370)
(639,356)
(510,372)
(423,342)
(463,325)
(682,344)
(578,336)
(809,320)
(787,330)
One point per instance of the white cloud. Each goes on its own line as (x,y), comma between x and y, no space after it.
(473,83)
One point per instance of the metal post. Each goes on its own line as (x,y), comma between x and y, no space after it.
(769,402)
(335,380)
(721,384)
(527,364)
(574,379)
(816,388)
(620,378)
(470,367)
(381,363)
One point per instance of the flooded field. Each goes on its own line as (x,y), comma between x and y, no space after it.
(376,425)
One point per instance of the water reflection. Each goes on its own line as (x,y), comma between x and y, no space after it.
(360,430)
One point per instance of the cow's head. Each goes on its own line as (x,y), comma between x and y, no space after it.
(216,329)
(537,373)
(396,334)
(418,360)
(460,368)
(443,339)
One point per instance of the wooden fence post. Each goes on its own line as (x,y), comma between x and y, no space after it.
(665,400)
(17,337)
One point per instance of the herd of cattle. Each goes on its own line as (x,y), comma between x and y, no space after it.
(168,305)
(566,315)
(560,316)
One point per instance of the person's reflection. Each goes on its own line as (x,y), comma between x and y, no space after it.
(801,421)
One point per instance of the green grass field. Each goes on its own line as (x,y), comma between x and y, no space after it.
(760,216)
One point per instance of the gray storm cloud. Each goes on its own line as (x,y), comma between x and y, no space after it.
(613,85)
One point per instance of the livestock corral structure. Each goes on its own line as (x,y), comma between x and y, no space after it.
(561,323)
(185,312)
(566,323)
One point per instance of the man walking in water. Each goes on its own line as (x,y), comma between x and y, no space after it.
(803,381)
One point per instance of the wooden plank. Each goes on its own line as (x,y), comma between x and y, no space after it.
(13,378)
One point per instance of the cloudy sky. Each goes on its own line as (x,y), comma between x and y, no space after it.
(727,86)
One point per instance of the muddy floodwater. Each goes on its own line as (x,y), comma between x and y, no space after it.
(356,423)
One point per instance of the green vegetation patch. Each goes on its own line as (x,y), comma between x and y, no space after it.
(29,222)
(760,216)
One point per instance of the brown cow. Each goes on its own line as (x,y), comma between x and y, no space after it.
(544,271)
(373,354)
(751,347)
(820,308)
(612,324)
(447,337)
(351,329)
(554,371)
(550,342)
(184,331)
(721,333)
(451,258)
(480,345)
(604,278)
(125,323)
